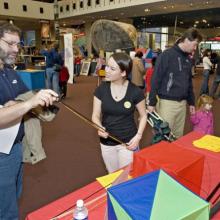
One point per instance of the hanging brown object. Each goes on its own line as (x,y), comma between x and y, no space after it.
(110,35)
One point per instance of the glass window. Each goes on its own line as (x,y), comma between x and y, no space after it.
(6,5)
(24,7)
(41,10)
(81,4)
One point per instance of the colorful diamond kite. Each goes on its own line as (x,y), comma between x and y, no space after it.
(155,196)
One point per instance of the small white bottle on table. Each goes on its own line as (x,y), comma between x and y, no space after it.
(80,212)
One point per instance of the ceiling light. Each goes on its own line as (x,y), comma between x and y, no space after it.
(204,21)
(172,6)
(194,25)
(181,22)
(196,22)
(165,7)
(191,4)
(147,10)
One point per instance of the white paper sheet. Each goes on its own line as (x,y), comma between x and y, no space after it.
(7,137)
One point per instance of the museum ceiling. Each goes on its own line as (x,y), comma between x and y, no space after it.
(206,18)
(187,13)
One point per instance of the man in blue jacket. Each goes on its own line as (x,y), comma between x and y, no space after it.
(53,66)
(172,82)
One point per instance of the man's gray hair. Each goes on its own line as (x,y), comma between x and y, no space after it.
(6,27)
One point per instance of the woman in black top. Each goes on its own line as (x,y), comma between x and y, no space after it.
(115,101)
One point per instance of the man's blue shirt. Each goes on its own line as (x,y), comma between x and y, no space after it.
(10,87)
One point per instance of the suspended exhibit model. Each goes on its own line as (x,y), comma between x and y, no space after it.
(110,35)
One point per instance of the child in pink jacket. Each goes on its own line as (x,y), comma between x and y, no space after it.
(202,120)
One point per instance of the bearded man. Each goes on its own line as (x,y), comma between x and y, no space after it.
(11,113)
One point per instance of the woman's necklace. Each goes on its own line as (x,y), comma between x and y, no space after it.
(117,91)
(117,94)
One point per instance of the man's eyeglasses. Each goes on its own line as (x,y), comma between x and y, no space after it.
(12,44)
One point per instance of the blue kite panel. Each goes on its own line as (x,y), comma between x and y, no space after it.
(111,212)
(136,196)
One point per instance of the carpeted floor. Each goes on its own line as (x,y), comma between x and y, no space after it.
(72,148)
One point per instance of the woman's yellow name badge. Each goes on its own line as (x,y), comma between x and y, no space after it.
(127,104)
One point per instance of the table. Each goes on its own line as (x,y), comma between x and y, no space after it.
(33,79)
(96,192)
(96,209)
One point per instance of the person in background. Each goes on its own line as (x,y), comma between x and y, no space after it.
(192,58)
(202,119)
(172,82)
(148,77)
(201,51)
(138,70)
(216,80)
(207,65)
(213,59)
(100,62)
(115,101)
(100,68)
(53,67)
(158,52)
(11,112)
(53,81)
(63,79)
(77,65)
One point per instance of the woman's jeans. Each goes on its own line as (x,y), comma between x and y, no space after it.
(10,182)
(205,83)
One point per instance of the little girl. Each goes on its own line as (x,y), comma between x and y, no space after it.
(202,120)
